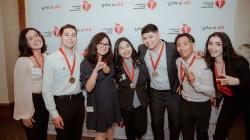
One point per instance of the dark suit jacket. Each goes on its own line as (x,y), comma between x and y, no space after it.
(239,68)
(171,55)
(126,93)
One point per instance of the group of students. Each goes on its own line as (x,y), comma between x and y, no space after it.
(120,84)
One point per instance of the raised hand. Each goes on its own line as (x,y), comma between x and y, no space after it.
(228,80)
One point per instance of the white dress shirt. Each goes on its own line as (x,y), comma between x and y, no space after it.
(56,78)
(203,87)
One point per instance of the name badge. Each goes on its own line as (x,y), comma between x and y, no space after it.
(36,71)
(90,109)
(123,77)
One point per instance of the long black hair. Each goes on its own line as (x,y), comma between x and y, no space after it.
(228,53)
(117,59)
(24,48)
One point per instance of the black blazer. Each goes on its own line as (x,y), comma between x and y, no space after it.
(171,55)
(126,93)
(239,68)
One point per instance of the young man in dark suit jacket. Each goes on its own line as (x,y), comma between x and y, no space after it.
(160,57)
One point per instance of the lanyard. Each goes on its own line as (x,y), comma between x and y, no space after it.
(155,64)
(131,75)
(71,69)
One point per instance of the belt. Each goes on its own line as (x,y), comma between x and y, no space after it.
(159,90)
(70,96)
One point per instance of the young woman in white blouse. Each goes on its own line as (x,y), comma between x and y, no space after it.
(28,75)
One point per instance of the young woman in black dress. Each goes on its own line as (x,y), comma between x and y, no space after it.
(97,78)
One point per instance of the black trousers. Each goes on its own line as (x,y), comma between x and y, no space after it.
(135,122)
(195,117)
(158,102)
(229,112)
(41,116)
(72,111)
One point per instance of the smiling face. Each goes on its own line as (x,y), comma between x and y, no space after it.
(151,39)
(184,47)
(103,47)
(125,50)
(69,38)
(34,40)
(215,46)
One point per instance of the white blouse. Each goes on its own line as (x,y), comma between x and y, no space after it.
(27,80)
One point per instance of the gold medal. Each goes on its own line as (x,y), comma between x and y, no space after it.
(132,85)
(72,80)
(154,74)
(106,70)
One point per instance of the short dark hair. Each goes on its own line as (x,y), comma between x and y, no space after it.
(91,55)
(67,26)
(149,28)
(24,48)
(189,36)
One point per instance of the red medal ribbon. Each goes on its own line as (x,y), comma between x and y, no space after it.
(131,75)
(154,65)
(40,65)
(71,69)
(223,88)
(183,73)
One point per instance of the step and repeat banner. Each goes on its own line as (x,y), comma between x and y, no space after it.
(125,18)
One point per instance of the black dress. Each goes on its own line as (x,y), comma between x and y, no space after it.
(103,98)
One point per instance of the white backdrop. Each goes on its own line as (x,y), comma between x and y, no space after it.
(120,18)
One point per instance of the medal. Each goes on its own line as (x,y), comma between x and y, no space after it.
(71,68)
(218,94)
(72,80)
(155,64)
(106,70)
(154,74)
(132,85)
(130,73)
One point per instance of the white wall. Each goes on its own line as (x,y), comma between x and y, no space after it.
(242,23)
(9,27)
(3,78)
(9,30)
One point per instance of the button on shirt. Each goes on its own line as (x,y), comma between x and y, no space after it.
(203,86)
(56,78)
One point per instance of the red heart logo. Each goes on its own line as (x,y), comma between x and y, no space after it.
(220,3)
(118,29)
(151,4)
(56,31)
(185,29)
(86,5)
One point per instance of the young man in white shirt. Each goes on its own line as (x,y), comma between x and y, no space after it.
(61,87)
(196,88)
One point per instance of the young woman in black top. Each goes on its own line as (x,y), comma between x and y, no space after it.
(132,88)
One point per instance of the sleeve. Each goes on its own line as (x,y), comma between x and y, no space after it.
(48,87)
(204,81)
(85,73)
(243,73)
(24,107)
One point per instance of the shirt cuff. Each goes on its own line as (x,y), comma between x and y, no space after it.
(54,114)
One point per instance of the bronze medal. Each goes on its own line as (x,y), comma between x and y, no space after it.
(106,70)
(218,94)
(154,74)
(132,85)
(72,80)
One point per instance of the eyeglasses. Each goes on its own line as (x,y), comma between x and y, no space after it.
(101,45)
(32,38)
